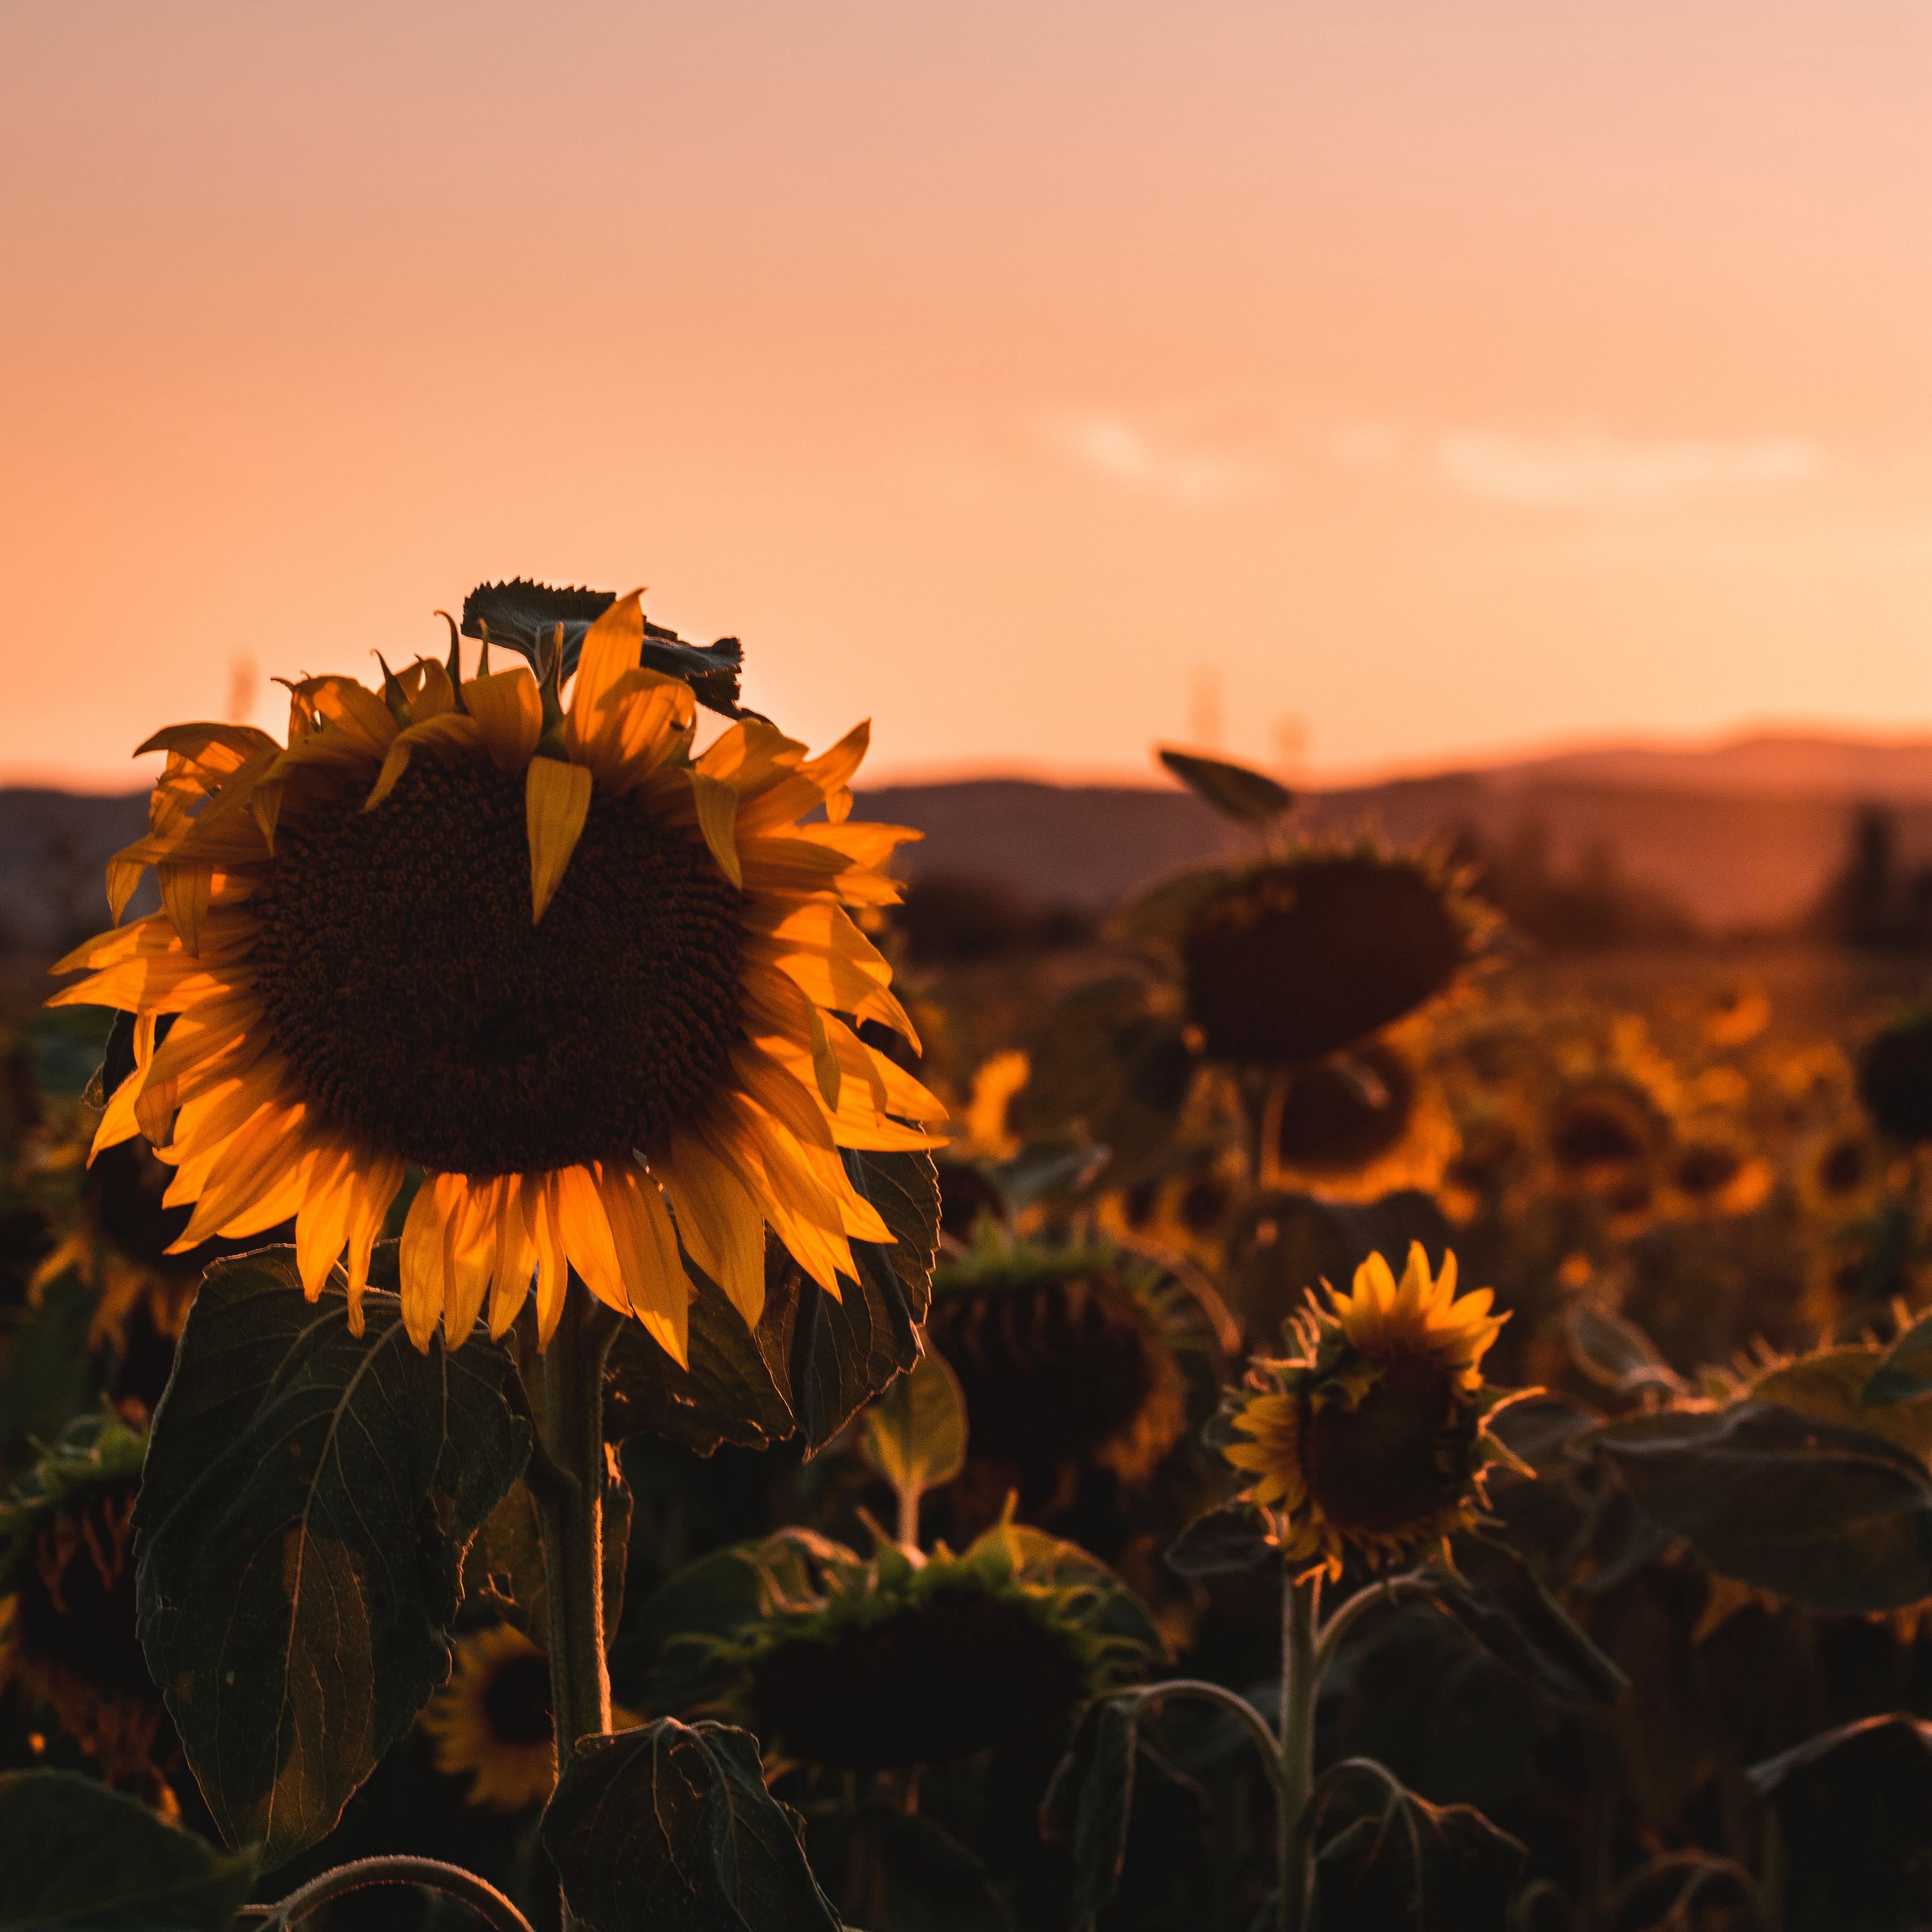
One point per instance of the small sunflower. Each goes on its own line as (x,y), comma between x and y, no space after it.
(588,983)
(1374,1440)
(1841,1173)
(1303,956)
(492,1720)
(1712,1169)
(1356,1126)
(66,1569)
(907,1660)
(1895,1079)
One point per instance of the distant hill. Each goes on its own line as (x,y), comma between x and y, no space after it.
(1745,833)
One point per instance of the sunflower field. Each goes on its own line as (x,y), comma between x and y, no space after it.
(552,1375)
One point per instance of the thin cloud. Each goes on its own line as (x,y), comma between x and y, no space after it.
(1594,472)
(1157,464)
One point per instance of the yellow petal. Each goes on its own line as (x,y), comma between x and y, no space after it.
(721,1225)
(646,1244)
(611,646)
(509,713)
(556,799)
(586,1237)
(423,1255)
(717,804)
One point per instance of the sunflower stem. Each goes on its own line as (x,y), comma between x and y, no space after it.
(1299,1681)
(569,1499)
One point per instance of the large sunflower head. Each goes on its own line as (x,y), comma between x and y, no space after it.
(66,1569)
(492,1720)
(1300,957)
(1373,1440)
(907,1660)
(601,991)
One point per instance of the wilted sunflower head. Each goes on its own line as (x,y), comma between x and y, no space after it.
(1064,1355)
(904,1660)
(492,1720)
(1373,1440)
(587,981)
(67,1562)
(1305,955)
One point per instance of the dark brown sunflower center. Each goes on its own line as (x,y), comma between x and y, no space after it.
(1597,1131)
(418,1006)
(938,1679)
(1706,1169)
(1843,1168)
(516,1701)
(1394,1460)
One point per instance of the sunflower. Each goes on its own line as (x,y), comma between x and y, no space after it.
(906,1659)
(1712,1169)
(1895,1079)
(67,1574)
(1066,1357)
(492,1720)
(588,984)
(1356,1126)
(1374,1440)
(1300,957)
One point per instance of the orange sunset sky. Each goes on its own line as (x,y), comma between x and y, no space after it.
(1041,378)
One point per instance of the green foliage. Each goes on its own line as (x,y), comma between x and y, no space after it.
(915,1434)
(813,1362)
(74,1854)
(1832,1518)
(49,1370)
(670,1826)
(308,1495)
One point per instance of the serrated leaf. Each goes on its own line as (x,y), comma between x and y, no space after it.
(670,1826)
(1836,1519)
(307,1497)
(524,615)
(915,1434)
(1830,1386)
(1905,1370)
(812,1363)
(74,1853)
(1237,791)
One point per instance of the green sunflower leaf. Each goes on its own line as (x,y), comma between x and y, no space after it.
(813,1363)
(307,1498)
(1091,1799)
(915,1434)
(524,615)
(1231,1536)
(1237,791)
(670,1826)
(74,1853)
(1835,1519)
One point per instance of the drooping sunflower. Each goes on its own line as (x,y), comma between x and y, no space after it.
(492,1720)
(863,1665)
(1304,955)
(1067,1357)
(1374,1441)
(602,992)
